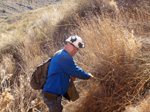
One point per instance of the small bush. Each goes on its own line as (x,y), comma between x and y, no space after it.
(3,11)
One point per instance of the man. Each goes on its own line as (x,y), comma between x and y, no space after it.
(63,69)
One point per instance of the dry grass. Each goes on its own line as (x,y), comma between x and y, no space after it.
(113,53)
(25,99)
(142,106)
(115,57)
(6,99)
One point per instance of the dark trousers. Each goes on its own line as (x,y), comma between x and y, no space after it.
(53,105)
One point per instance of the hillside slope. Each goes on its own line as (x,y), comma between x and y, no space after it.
(13,7)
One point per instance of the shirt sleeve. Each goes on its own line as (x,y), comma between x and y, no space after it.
(68,66)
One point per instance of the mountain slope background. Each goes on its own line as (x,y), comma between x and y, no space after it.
(116,35)
(13,7)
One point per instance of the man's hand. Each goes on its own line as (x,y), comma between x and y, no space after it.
(91,76)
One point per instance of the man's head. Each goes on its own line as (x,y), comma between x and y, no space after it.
(74,43)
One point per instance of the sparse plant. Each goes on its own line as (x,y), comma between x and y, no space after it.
(3,11)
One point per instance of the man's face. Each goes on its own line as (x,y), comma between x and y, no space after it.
(73,49)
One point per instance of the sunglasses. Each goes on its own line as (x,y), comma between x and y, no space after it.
(74,46)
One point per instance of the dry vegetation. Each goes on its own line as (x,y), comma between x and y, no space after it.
(116,53)
(142,106)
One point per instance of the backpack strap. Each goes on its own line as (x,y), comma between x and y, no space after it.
(51,75)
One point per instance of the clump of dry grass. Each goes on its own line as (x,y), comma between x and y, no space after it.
(21,63)
(26,99)
(24,96)
(6,99)
(142,106)
(113,56)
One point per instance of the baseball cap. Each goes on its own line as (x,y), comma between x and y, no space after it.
(76,41)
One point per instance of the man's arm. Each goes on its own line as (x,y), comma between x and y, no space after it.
(74,78)
(67,65)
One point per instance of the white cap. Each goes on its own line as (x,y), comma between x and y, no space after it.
(76,41)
